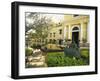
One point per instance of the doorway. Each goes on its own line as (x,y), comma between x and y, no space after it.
(75,35)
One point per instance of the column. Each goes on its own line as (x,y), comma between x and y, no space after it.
(88,26)
(86,31)
(69,31)
(65,32)
(81,32)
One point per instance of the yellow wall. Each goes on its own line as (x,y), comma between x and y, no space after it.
(70,22)
(81,21)
(56,31)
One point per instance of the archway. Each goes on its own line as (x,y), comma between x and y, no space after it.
(75,35)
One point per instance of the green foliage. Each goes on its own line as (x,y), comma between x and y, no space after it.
(85,53)
(40,23)
(74,45)
(36,46)
(72,51)
(28,51)
(59,59)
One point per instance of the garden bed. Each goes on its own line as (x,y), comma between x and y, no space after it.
(56,59)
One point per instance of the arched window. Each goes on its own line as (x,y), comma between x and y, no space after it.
(75,28)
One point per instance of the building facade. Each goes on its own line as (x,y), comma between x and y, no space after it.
(75,28)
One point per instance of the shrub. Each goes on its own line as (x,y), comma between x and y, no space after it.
(33,46)
(59,59)
(38,46)
(28,51)
(85,53)
(74,45)
(72,51)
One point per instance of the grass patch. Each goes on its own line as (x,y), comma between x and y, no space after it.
(85,53)
(55,59)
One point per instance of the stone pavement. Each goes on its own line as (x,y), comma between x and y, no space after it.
(37,59)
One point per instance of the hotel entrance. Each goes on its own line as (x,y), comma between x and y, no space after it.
(75,35)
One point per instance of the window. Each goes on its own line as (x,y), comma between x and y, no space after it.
(50,40)
(50,34)
(54,34)
(60,31)
(60,41)
(75,15)
(54,41)
(75,28)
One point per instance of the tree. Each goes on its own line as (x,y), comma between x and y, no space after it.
(40,23)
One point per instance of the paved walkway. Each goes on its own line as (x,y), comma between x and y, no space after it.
(36,60)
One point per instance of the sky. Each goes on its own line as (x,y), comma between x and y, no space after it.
(56,18)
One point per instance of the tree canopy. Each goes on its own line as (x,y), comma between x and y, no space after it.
(40,23)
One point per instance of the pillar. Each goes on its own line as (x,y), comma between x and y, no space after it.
(88,26)
(65,32)
(81,31)
(69,31)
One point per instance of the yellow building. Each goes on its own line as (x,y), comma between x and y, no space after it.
(56,35)
(77,24)
(73,28)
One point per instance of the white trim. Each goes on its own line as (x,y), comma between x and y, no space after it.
(76,31)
